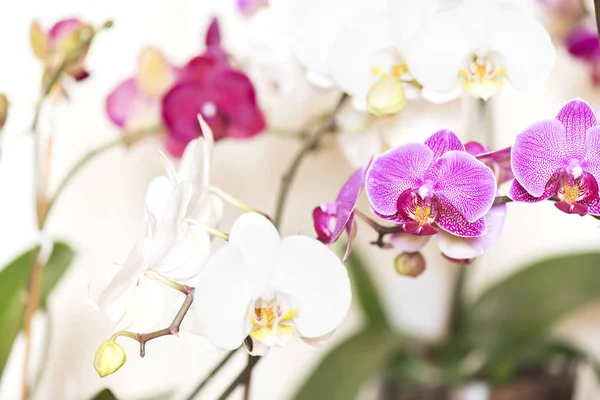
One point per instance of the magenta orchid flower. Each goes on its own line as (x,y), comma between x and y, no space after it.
(560,157)
(223,95)
(582,43)
(498,161)
(331,219)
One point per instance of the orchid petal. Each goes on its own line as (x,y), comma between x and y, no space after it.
(176,208)
(592,158)
(443,141)
(145,307)
(537,154)
(223,293)
(187,256)
(519,193)
(316,282)
(393,172)
(360,147)
(407,242)
(157,196)
(324,220)
(452,221)
(582,43)
(346,201)
(195,168)
(155,75)
(593,206)
(577,117)
(63,28)
(121,102)
(462,248)
(465,182)
(475,148)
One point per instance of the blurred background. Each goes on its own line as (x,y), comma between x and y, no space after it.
(101,213)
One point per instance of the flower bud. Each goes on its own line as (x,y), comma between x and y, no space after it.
(110,356)
(3,110)
(386,97)
(410,264)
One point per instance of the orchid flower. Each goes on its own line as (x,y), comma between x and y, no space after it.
(479,46)
(269,288)
(331,219)
(135,102)
(498,161)
(425,187)
(582,43)
(560,157)
(209,86)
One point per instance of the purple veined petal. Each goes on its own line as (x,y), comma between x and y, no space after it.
(407,242)
(518,192)
(63,28)
(120,103)
(397,218)
(393,172)
(499,161)
(495,155)
(463,248)
(572,208)
(577,117)
(351,228)
(443,141)
(346,201)
(592,158)
(538,153)
(582,43)
(324,220)
(465,182)
(475,148)
(452,221)
(593,206)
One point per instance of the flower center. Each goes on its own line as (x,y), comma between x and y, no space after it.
(422,210)
(570,193)
(483,76)
(272,321)
(387,63)
(574,168)
(422,214)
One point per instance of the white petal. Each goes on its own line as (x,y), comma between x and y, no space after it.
(145,307)
(405,17)
(114,298)
(187,256)
(195,168)
(360,148)
(441,97)
(176,208)
(258,240)
(169,168)
(526,48)
(407,242)
(223,293)
(315,281)
(439,50)
(157,195)
(207,133)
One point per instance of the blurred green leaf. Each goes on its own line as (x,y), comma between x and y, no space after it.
(365,291)
(14,279)
(105,394)
(516,314)
(350,364)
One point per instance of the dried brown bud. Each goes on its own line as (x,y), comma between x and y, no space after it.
(410,264)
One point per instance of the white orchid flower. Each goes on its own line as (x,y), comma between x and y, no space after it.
(479,46)
(270,288)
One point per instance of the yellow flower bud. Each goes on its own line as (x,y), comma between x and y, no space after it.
(386,97)
(3,110)
(410,264)
(110,356)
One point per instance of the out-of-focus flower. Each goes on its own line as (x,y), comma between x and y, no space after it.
(560,157)
(3,110)
(223,95)
(498,161)
(270,288)
(436,185)
(135,103)
(582,43)
(564,8)
(331,219)
(479,46)
(110,356)
(360,136)
(249,7)
(68,39)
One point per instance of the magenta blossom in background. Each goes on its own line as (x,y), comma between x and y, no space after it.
(582,43)
(498,161)
(560,157)
(331,219)
(210,86)
(249,7)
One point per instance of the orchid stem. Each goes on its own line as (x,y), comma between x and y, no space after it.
(381,230)
(213,231)
(226,197)
(177,286)
(309,145)
(211,374)
(244,376)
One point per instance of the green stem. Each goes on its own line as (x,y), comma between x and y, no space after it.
(457,305)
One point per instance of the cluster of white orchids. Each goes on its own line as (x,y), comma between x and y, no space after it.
(258,290)
(385,53)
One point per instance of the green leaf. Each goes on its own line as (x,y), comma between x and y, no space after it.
(517,314)
(365,291)
(14,279)
(351,363)
(105,394)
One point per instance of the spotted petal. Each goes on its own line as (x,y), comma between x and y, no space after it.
(452,221)
(442,142)
(592,157)
(394,172)
(577,117)
(464,182)
(518,192)
(537,154)
(346,201)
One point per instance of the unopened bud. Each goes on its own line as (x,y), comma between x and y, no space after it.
(386,97)
(3,110)
(110,356)
(410,264)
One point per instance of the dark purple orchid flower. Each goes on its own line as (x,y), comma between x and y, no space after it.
(498,161)
(223,95)
(331,219)
(560,157)
(582,43)
(431,185)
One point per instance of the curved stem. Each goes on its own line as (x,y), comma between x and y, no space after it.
(309,145)
(210,375)
(242,377)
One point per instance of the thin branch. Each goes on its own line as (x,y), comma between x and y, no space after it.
(309,145)
(242,377)
(381,230)
(502,200)
(210,375)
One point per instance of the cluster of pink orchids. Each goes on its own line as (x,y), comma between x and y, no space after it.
(170,97)
(447,189)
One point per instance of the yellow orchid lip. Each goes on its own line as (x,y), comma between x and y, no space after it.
(270,325)
(482,76)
